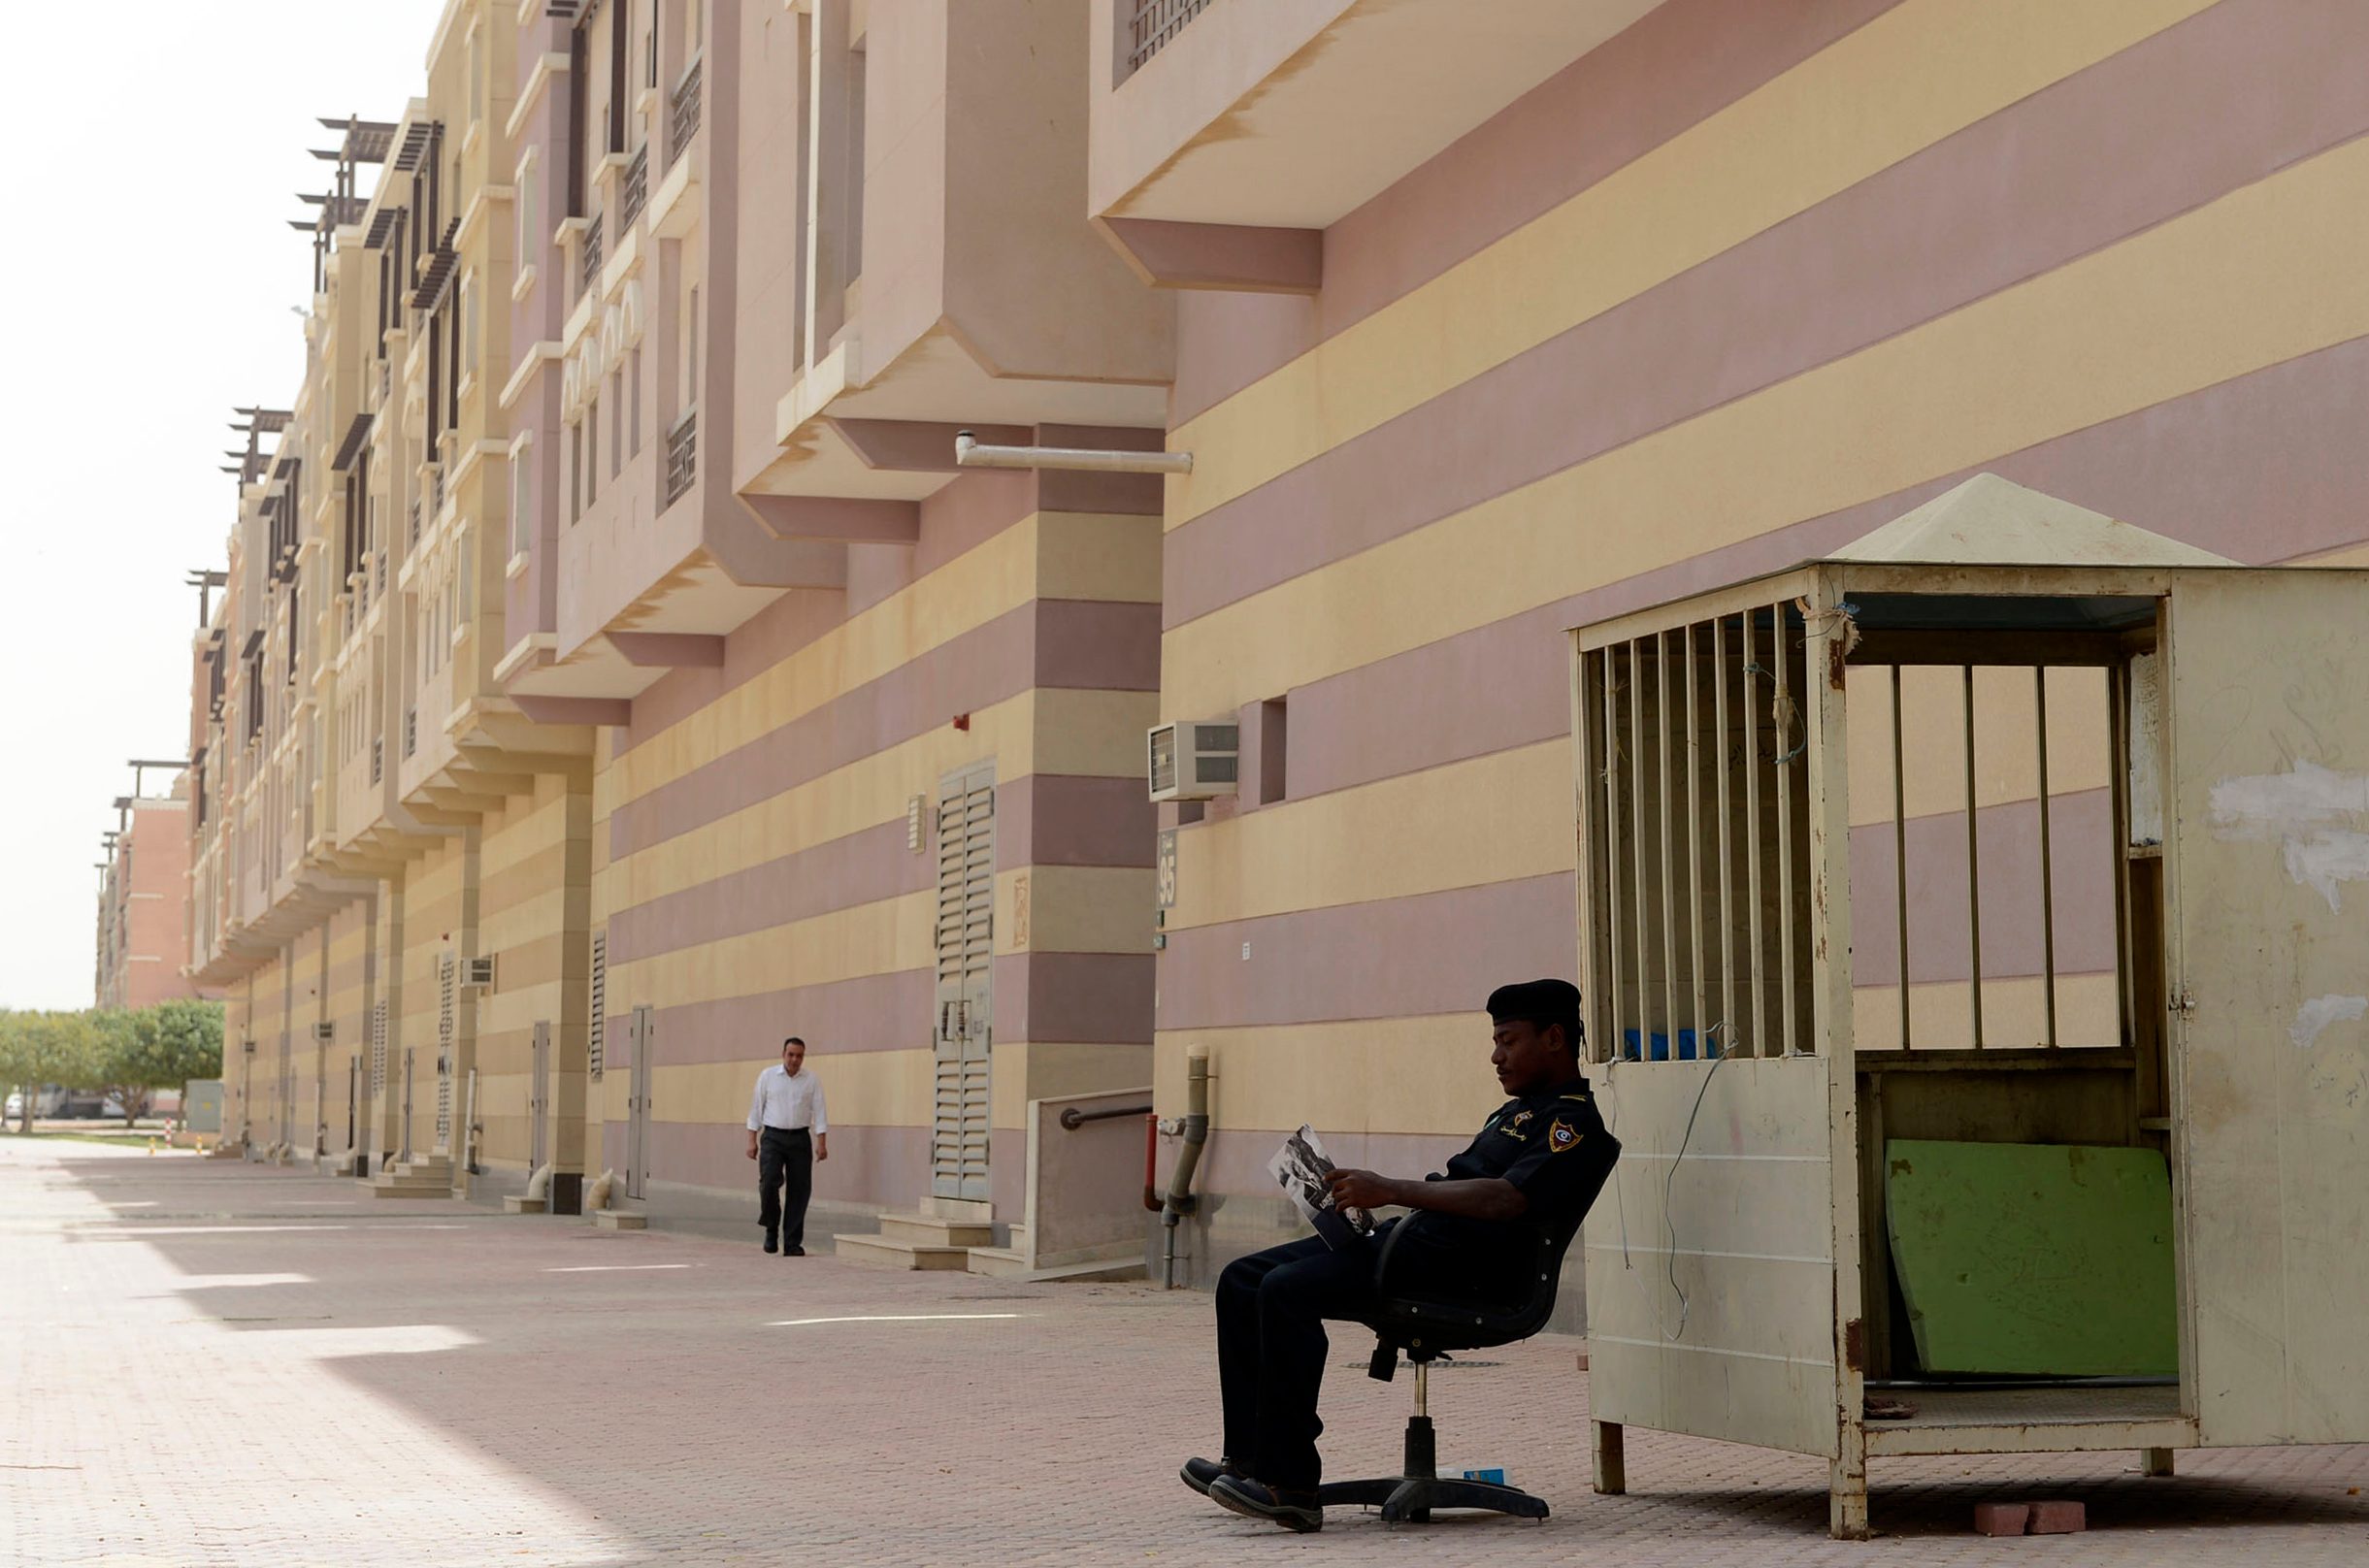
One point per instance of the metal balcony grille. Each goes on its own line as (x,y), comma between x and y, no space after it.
(377,759)
(410,731)
(682,119)
(637,186)
(1153,24)
(592,253)
(682,456)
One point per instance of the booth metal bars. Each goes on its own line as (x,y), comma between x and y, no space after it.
(1686,962)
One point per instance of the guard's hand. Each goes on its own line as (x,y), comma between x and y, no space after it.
(1361,1190)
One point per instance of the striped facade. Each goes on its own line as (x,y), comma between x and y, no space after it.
(657,704)
(1730,291)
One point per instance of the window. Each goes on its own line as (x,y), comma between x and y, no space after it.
(529,208)
(467,366)
(576,471)
(634,378)
(690,340)
(522,494)
(616,422)
(476,73)
(592,452)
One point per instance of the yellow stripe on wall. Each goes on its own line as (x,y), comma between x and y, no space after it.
(1908,78)
(2197,301)
(1465,824)
(1369,1075)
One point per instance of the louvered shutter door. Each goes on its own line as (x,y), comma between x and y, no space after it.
(965,951)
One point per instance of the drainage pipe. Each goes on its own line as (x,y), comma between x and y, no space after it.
(1180,1200)
(970,453)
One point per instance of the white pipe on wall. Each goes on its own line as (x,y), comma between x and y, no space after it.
(970,454)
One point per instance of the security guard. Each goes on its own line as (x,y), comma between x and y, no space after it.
(1537,1160)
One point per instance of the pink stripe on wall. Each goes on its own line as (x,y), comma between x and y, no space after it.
(2157,130)
(2261,469)
(1090,998)
(863,868)
(1939,931)
(1399,958)
(1086,644)
(875,1012)
(1681,63)
(1067,819)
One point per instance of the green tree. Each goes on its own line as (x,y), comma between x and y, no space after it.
(38,1049)
(159,1047)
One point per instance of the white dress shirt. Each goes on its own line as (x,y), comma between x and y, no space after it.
(788,1104)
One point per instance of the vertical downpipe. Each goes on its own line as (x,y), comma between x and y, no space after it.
(1180,1200)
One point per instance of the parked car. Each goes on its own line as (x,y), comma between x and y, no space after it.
(16,1107)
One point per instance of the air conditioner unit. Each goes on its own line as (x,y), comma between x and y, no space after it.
(477,972)
(1193,760)
(324,1032)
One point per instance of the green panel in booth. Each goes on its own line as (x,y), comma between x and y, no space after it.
(2035,1258)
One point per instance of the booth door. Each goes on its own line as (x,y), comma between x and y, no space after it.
(2268,883)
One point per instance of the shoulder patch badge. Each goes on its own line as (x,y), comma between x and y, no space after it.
(1562,1135)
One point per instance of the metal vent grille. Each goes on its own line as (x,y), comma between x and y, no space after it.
(598,1031)
(1164,758)
(378,1048)
(444,1052)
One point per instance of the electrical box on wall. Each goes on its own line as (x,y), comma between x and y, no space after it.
(1194,761)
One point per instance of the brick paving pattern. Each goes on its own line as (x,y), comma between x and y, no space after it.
(204,1362)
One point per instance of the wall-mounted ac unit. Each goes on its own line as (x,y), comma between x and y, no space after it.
(1191,760)
(324,1032)
(477,972)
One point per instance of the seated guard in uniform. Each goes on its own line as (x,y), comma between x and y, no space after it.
(1470,1238)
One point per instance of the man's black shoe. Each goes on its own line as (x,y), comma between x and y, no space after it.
(1199,1473)
(773,1242)
(793,1251)
(1255,1499)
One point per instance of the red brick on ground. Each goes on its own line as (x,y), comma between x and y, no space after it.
(2001,1518)
(2059,1518)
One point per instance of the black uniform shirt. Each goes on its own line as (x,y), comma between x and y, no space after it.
(1553,1147)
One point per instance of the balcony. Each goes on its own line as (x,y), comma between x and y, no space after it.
(636,188)
(682,456)
(1289,115)
(590,274)
(683,113)
(915,325)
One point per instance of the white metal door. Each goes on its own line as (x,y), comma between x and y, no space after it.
(963,1034)
(539,1099)
(2268,883)
(407,1075)
(642,1039)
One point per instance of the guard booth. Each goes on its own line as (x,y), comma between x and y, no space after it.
(1974,934)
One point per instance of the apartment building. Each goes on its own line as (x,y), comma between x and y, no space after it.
(637,680)
(1498,320)
(142,902)
(614,681)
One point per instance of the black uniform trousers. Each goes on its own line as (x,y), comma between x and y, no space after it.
(785,1160)
(1271,1309)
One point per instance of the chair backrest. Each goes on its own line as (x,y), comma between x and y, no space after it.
(1473,1325)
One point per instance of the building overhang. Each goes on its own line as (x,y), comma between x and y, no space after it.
(1291,113)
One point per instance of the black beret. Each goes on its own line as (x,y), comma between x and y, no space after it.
(1541,1002)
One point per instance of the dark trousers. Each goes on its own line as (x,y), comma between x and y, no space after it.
(1272,1308)
(785,1160)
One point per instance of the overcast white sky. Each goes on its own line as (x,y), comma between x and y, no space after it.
(149,274)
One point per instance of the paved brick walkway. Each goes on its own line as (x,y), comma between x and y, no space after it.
(203,1362)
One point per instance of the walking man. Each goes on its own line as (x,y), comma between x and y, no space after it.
(788,1131)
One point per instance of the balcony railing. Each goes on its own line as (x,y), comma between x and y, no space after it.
(377,759)
(410,731)
(415,533)
(683,457)
(683,117)
(436,490)
(1152,25)
(592,253)
(637,187)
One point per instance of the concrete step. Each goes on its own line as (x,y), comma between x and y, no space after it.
(620,1220)
(1004,1264)
(928,1231)
(896,1253)
(394,1186)
(518,1203)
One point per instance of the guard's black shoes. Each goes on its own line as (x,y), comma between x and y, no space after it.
(793,1251)
(1199,1473)
(1255,1499)
(773,1242)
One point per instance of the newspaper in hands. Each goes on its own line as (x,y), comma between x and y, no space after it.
(1302,1169)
